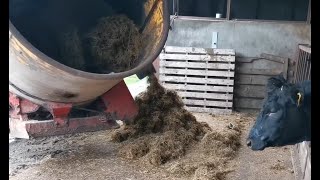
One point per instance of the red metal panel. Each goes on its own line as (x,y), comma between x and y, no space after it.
(119,103)
(59,112)
(20,107)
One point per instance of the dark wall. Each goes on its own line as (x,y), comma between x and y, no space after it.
(291,10)
(202,8)
(244,9)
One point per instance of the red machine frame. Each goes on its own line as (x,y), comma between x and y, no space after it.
(118,105)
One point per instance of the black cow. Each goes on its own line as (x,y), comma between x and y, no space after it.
(285,117)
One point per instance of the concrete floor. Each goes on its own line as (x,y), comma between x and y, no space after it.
(93,156)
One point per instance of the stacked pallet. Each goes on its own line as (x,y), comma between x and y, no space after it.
(202,77)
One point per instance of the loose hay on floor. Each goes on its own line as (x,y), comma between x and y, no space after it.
(278,167)
(115,43)
(166,135)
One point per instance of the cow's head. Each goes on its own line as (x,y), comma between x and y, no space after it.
(282,120)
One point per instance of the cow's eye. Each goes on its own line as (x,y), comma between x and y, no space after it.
(263,138)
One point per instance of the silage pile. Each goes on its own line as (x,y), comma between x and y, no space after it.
(115,42)
(112,45)
(166,135)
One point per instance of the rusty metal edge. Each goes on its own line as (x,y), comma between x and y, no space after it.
(149,60)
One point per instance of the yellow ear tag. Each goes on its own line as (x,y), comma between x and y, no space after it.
(299,98)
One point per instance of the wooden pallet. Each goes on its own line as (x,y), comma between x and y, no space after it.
(203,78)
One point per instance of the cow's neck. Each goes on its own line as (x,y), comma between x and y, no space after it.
(308,127)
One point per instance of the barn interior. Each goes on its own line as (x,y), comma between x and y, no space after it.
(216,62)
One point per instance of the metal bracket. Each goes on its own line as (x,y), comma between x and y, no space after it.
(172,21)
(118,104)
(19,107)
(59,112)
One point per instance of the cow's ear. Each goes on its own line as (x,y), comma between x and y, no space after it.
(299,99)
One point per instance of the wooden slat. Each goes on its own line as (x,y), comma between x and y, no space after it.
(209,63)
(209,110)
(198,87)
(248,103)
(285,68)
(207,103)
(249,91)
(196,80)
(251,60)
(251,79)
(164,63)
(197,72)
(273,57)
(269,72)
(174,49)
(205,95)
(198,57)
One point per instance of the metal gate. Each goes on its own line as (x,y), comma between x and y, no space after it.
(303,66)
(301,152)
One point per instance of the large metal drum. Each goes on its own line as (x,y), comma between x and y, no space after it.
(39,78)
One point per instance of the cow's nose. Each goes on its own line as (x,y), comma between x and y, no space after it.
(248,143)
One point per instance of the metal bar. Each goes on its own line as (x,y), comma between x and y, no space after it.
(242,20)
(297,65)
(303,65)
(265,20)
(173,7)
(307,67)
(309,13)
(228,9)
(151,13)
(178,7)
(309,75)
(300,66)
(196,18)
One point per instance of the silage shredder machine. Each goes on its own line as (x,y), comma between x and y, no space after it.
(49,98)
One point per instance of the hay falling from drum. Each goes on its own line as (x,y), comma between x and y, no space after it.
(115,43)
(165,134)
